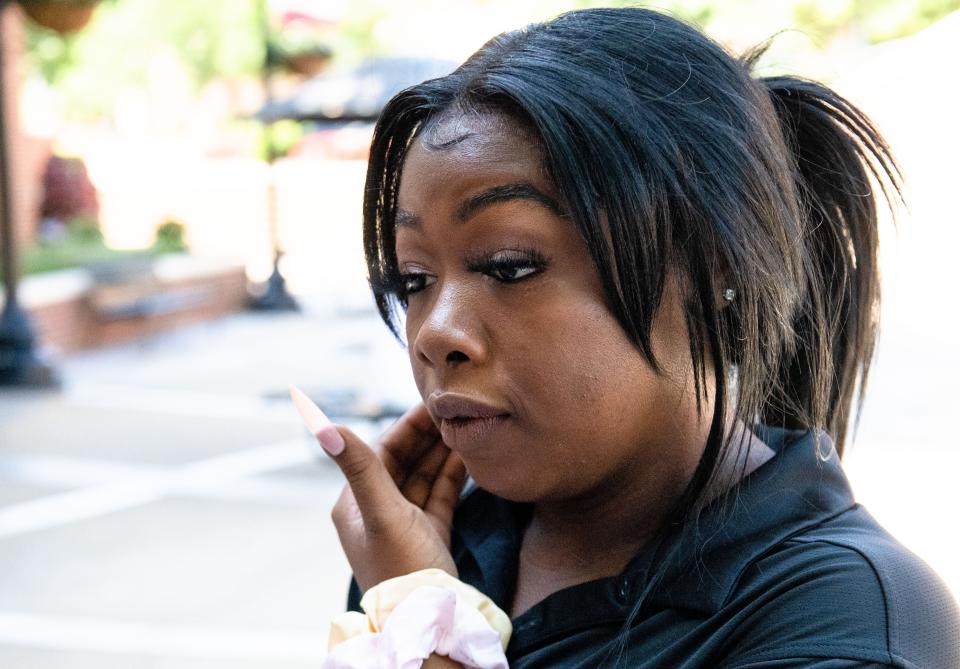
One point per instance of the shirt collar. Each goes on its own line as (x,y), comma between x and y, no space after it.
(801,486)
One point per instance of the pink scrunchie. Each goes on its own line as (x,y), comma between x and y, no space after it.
(428,620)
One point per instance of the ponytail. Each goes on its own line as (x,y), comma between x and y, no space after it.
(839,160)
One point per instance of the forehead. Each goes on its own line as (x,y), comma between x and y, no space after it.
(474,131)
(460,152)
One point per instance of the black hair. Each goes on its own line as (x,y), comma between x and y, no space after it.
(766,186)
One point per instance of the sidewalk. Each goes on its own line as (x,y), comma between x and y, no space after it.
(167,509)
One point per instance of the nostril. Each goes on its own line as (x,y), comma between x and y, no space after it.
(454,357)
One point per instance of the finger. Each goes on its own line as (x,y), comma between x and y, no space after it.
(446,493)
(407,440)
(376,495)
(416,488)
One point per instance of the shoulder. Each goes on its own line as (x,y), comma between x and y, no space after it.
(846,586)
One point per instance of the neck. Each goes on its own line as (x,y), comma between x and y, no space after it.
(603,529)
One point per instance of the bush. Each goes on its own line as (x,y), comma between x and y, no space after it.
(169,237)
(68,192)
(38,258)
(82,245)
(84,230)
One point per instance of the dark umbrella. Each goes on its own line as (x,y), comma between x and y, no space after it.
(354,95)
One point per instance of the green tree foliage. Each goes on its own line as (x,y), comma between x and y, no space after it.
(94,67)
(872,20)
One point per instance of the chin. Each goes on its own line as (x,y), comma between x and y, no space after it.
(508,483)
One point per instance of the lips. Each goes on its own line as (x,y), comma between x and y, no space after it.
(448,406)
(465,422)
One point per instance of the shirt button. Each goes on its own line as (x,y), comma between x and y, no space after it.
(624,591)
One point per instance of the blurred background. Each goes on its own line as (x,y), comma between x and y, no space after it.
(181,240)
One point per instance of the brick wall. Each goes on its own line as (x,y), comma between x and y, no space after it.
(74,323)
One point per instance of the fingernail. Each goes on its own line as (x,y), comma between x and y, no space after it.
(317,422)
(331,440)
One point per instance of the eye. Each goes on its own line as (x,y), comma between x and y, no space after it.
(414,282)
(509,266)
(510,271)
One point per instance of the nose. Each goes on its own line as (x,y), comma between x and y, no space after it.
(451,333)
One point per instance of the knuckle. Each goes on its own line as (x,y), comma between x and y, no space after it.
(358,469)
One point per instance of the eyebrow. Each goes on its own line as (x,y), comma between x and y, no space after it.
(491,196)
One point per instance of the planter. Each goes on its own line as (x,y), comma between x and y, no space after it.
(59,15)
(78,309)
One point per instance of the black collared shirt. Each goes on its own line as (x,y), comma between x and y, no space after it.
(789,573)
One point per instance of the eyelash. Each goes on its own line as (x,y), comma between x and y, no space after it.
(490,264)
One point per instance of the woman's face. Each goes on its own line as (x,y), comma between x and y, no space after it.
(520,361)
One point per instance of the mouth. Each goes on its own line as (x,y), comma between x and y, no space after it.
(464,434)
(465,423)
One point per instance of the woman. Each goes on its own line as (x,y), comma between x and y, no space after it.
(640,299)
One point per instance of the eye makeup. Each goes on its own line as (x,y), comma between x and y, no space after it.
(504,265)
(508,265)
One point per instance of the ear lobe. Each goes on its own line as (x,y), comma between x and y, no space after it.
(724,298)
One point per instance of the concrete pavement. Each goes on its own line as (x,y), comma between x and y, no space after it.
(166,508)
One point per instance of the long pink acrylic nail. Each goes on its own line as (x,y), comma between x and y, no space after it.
(317,422)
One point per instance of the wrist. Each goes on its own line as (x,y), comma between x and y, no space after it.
(380,601)
(368,580)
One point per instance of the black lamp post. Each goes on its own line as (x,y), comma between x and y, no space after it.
(19,364)
(275,296)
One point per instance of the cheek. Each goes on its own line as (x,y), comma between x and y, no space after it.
(584,366)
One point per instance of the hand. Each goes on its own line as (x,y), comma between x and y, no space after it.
(394,515)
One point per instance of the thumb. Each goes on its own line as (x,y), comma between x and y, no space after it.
(373,488)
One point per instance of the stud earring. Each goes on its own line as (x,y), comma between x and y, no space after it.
(729,294)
